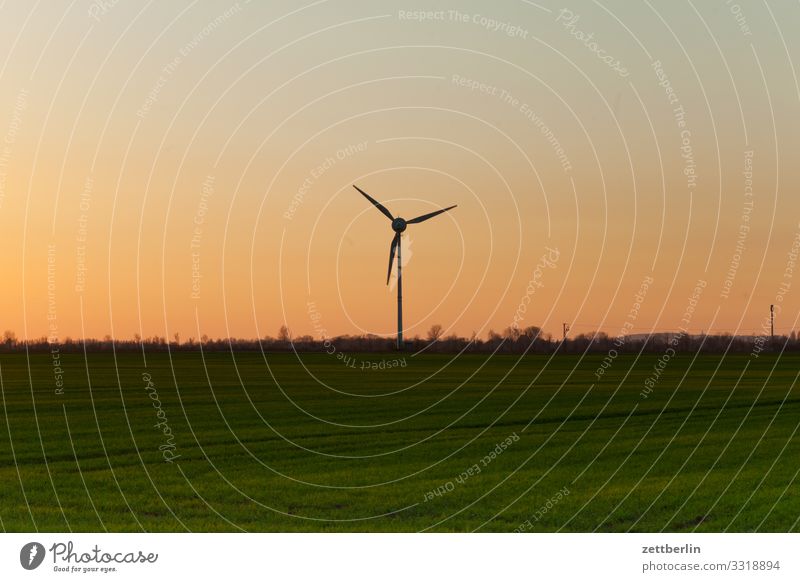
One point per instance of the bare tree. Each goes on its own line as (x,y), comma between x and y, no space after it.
(531,333)
(9,337)
(435,332)
(512,333)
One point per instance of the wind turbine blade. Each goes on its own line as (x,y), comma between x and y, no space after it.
(425,217)
(395,244)
(377,204)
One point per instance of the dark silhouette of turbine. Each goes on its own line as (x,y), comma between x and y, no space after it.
(399,226)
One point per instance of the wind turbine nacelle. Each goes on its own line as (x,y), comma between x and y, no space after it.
(399,224)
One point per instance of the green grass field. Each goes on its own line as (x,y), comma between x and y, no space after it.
(278,445)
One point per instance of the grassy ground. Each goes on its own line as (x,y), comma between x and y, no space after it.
(278,445)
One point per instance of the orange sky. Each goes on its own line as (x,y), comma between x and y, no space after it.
(142,147)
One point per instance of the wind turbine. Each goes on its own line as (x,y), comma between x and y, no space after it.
(399,226)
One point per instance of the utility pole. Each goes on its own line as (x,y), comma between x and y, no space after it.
(772,323)
(565,327)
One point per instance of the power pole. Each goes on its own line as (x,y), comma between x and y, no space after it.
(772,323)
(565,327)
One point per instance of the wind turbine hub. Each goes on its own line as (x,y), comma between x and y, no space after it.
(399,225)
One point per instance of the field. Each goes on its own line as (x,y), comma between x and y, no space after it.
(218,442)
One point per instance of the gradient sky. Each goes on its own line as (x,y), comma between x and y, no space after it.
(140,125)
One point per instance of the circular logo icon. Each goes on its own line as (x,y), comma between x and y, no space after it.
(31,555)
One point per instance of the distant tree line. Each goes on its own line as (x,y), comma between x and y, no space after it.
(511,341)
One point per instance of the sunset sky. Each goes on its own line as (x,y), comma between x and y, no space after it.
(188,167)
